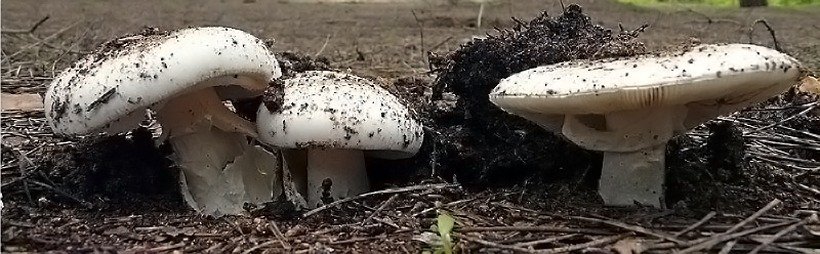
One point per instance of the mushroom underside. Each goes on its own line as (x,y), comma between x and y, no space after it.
(220,170)
(634,145)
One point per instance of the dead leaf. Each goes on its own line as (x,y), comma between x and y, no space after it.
(21,102)
(629,246)
(809,84)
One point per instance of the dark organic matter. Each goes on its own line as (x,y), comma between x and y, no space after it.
(481,144)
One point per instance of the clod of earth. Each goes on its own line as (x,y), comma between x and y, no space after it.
(481,144)
(184,76)
(328,122)
(629,108)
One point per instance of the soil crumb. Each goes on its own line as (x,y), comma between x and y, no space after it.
(483,146)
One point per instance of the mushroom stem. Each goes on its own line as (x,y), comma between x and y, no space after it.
(216,163)
(629,177)
(633,143)
(334,174)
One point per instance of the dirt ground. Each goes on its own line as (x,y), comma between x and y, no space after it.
(50,205)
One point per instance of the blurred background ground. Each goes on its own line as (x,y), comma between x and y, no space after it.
(378,40)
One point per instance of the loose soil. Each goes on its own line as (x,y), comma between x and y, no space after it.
(120,193)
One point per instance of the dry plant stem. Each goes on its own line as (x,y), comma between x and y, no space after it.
(779,234)
(493,245)
(728,247)
(545,240)
(536,229)
(593,243)
(634,228)
(383,206)
(727,235)
(207,138)
(768,27)
(279,236)
(381,192)
(697,224)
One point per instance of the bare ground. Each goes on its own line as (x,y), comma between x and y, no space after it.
(57,206)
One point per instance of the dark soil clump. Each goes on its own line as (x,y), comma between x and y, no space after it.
(482,145)
(293,62)
(120,171)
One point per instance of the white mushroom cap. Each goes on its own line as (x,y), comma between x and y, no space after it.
(709,79)
(111,88)
(332,110)
(604,105)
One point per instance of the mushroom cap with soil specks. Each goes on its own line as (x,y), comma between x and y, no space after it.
(705,81)
(110,89)
(332,110)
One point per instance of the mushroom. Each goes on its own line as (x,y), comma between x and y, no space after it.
(183,76)
(629,108)
(329,122)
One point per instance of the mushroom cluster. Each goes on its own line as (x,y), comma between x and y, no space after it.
(183,76)
(328,123)
(629,108)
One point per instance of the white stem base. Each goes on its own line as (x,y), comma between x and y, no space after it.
(335,174)
(220,170)
(633,177)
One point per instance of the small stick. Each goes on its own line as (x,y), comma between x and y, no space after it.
(380,192)
(492,244)
(58,191)
(545,241)
(779,234)
(634,228)
(754,216)
(803,112)
(728,247)
(356,239)
(30,30)
(585,245)
(279,235)
(421,34)
(262,245)
(771,31)
(23,163)
(327,39)
(480,14)
(163,248)
(727,235)
(697,224)
(536,229)
(381,207)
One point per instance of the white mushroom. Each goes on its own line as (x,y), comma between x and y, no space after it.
(330,121)
(184,76)
(630,107)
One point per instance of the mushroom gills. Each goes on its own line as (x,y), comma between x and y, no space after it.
(625,131)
